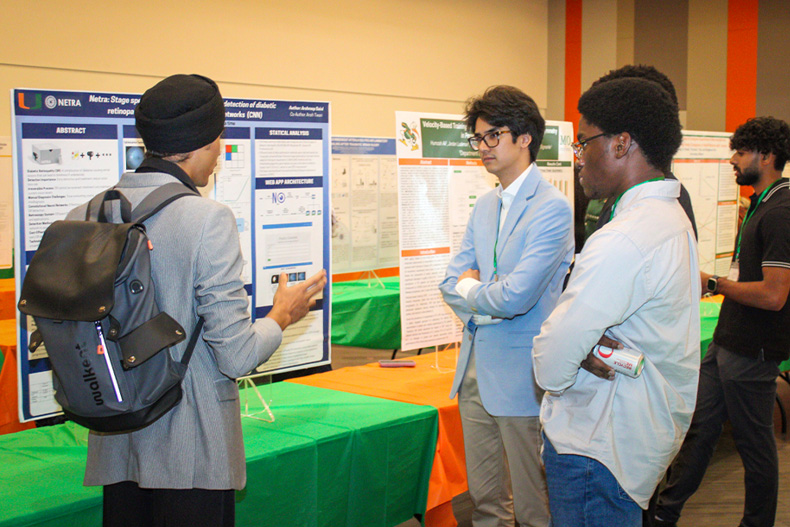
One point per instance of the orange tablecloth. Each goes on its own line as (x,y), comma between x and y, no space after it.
(424,385)
(7,299)
(9,414)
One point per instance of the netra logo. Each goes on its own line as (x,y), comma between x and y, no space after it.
(32,101)
(22,100)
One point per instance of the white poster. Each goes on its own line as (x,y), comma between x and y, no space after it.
(439,179)
(364,204)
(702,164)
(6,205)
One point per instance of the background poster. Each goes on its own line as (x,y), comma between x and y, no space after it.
(364,204)
(6,205)
(273,172)
(439,180)
(702,164)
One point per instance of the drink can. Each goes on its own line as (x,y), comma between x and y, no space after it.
(626,361)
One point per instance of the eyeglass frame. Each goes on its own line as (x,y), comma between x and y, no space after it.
(482,138)
(579,146)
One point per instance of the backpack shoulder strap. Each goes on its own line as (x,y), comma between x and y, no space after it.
(117,203)
(159,199)
(192,342)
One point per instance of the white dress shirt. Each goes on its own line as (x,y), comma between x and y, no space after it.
(506,196)
(637,281)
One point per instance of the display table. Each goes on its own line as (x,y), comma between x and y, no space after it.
(330,459)
(7,298)
(424,384)
(366,315)
(709,309)
(9,421)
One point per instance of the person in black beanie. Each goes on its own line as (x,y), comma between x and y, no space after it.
(183,469)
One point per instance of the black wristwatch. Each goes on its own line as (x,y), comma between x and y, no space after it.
(713,284)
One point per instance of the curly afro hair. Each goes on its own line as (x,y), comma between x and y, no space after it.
(640,107)
(641,71)
(508,106)
(766,135)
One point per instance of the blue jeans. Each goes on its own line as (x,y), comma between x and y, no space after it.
(583,493)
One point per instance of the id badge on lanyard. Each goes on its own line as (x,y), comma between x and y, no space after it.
(734,271)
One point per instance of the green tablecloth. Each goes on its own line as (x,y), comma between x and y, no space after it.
(708,318)
(367,317)
(330,459)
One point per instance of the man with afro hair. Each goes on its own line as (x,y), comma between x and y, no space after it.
(609,440)
(644,71)
(738,373)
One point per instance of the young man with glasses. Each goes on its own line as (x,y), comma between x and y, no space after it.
(609,440)
(602,210)
(503,284)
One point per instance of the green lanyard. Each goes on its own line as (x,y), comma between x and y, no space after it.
(611,215)
(749,214)
(498,219)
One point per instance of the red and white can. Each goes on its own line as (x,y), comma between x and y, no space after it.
(626,361)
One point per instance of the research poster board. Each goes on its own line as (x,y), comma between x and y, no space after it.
(6,205)
(273,172)
(364,204)
(439,180)
(702,164)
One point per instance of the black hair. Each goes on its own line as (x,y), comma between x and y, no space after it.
(173,158)
(766,135)
(640,107)
(641,71)
(508,106)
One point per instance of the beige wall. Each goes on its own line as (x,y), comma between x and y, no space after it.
(599,40)
(625,32)
(706,97)
(555,107)
(368,58)
(773,73)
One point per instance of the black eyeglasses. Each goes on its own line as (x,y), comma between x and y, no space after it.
(491,139)
(578,146)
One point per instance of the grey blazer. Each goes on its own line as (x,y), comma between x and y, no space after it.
(197,263)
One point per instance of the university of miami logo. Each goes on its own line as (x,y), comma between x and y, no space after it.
(22,100)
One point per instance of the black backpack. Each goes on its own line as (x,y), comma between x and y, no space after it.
(89,290)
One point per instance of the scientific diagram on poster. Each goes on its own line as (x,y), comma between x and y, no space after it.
(273,172)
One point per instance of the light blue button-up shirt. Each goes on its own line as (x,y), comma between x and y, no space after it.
(637,281)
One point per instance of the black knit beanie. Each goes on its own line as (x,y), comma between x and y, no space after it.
(180,114)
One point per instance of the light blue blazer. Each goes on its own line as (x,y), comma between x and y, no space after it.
(534,251)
